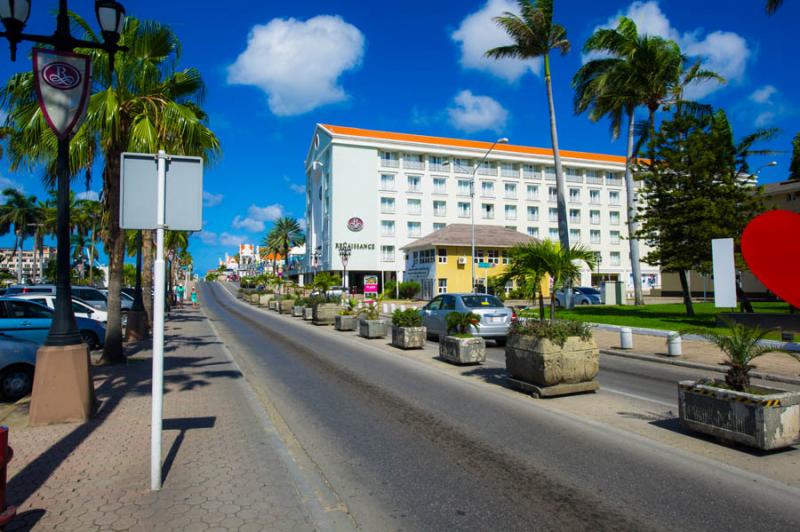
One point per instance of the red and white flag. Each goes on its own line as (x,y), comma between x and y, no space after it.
(62,86)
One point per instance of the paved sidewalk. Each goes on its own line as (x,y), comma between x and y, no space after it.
(225,465)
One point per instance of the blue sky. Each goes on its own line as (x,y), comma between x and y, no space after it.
(274,69)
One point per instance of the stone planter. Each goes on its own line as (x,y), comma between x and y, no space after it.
(297,311)
(325,313)
(766,422)
(308,313)
(253,299)
(345,323)
(285,306)
(264,299)
(545,369)
(463,350)
(273,305)
(408,337)
(372,328)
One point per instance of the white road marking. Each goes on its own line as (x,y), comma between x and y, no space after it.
(640,397)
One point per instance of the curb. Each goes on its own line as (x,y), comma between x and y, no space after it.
(697,365)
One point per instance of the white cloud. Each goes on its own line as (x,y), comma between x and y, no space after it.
(88,194)
(764,94)
(303,224)
(297,189)
(475,113)
(208,238)
(256,216)
(10,183)
(298,64)
(763,119)
(227,239)
(211,200)
(767,104)
(479,33)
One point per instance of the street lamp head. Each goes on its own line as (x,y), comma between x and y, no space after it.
(503,140)
(14,14)
(772,163)
(111,17)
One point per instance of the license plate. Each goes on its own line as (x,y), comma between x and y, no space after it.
(496,320)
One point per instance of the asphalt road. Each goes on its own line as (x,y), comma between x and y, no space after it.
(406,447)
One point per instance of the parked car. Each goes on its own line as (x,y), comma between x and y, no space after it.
(581,295)
(79,308)
(89,294)
(496,318)
(17,363)
(31,321)
(125,300)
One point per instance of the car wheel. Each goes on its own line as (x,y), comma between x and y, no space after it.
(16,382)
(558,303)
(90,339)
(500,342)
(584,302)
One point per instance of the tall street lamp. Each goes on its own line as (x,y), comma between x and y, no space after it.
(62,91)
(344,255)
(477,165)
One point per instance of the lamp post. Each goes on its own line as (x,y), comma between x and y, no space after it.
(62,76)
(477,165)
(344,255)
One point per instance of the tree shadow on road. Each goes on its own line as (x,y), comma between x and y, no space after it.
(492,375)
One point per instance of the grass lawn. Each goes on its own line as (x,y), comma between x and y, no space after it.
(671,317)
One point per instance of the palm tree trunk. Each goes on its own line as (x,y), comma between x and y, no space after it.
(553,303)
(20,243)
(112,350)
(147,274)
(561,201)
(633,225)
(91,257)
(687,296)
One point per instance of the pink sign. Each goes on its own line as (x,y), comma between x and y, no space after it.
(370,284)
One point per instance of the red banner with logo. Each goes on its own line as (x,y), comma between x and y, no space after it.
(62,88)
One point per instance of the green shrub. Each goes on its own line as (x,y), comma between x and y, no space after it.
(459,323)
(300,302)
(557,331)
(409,289)
(350,307)
(407,318)
(390,289)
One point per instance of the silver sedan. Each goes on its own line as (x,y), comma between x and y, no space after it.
(495,317)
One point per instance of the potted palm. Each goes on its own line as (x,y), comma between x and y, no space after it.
(326,310)
(370,324)
(733,409)
(460,346)
(407,329)
(297,309)
(286,303)
(346,319)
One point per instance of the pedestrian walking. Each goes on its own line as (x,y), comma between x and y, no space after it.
(194,297)
(179,290)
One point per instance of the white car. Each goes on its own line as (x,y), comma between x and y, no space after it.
(79,307)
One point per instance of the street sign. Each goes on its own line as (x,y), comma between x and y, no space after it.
(484,265)
(62,86)
(139,188)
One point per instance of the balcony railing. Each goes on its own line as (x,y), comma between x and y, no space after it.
(390,163)
(438,167)
(509,172)
(574,178)
(614,181)
(411,163)
(594,180)
(530,173)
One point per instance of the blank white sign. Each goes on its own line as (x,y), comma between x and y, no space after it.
(724,273)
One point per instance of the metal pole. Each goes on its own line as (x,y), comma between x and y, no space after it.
(472,212)
(158,331)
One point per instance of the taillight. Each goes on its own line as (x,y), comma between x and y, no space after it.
(513,315)
(24,290)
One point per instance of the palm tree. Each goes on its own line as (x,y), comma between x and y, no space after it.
(527,265)
(19,211)
(535,34)
(564,266)
(143,106)
(285,235)
(772,6)
(92,216)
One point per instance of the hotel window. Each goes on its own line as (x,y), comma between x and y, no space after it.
(532,192)
(414,206)
(594,236)
(552,234)
(487,211)
(389,159)
(533,231)
(533,214)
(413,160)
(574,195)
(463,209)
(387,228)
(593,177)
(530,171)
(614,217)
(510,190)
(509,170)
(511,212)
(594,217)
(487,189)
(574,235)
(614,237)
(575,216)
(436,164)
(613,179)
(492,256)
(442,286)
(574,175)
(414,183)
(439,185)
(438,226)
(440,208)
(613,197)
(414,229)
(387,181)
(552,194)
(552,214)
(387,253)
(387,205)
(462,166)
(549,173)
(487,168)
(594,197)
(615,258)
(463,187)
(441,254)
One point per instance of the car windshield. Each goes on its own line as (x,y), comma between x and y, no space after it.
(590,291)
(481,301)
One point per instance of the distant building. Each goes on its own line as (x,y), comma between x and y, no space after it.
(784,195)
(31,261)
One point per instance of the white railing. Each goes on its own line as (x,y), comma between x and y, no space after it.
(411,163)
(614,181)
(594,180)
(390,163)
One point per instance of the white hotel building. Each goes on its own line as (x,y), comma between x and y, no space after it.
(397,187)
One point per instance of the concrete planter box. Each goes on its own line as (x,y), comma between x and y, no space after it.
(325,313)
(463,350)
(547,369)
(372,328)
(345,323)
(297,311)
(308,313)
(766,422)
(253,298)
(273,305)
(408,337)
(285,306)
(264,299)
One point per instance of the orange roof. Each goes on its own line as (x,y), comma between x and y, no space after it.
(461,143)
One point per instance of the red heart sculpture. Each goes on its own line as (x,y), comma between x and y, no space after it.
(771,248)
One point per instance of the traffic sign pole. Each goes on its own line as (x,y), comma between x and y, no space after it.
(158,330)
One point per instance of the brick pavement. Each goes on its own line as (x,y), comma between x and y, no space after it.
(225,465)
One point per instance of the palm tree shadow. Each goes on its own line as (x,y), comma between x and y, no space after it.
(492,375)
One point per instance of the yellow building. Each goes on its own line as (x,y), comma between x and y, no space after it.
(441,263)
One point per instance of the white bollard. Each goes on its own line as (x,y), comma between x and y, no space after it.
(393,307)
(386,308)
(402,307)
(674,344)
(625,338)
